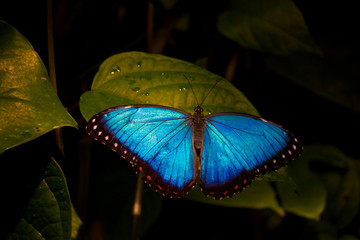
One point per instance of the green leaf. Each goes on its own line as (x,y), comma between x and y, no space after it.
(142,78)
(327,186)
(332,79)
(307,198)
(339,174)
(279,175)
(276,27)
(29,106)
(258,195)
(48,213)
(76,224)
(26,231)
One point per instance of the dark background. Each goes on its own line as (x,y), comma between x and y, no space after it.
(87,32)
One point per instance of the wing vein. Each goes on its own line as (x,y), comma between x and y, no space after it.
(226,143)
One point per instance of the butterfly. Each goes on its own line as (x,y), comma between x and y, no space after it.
(171,147)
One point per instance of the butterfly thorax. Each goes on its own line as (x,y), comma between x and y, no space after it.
(198,128)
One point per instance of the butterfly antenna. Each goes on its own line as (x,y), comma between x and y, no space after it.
(192,90)
(212,88)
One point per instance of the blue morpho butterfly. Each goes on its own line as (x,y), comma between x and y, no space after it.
(170,146)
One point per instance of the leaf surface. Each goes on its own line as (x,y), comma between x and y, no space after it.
(29,106)
(275,27)
(48,213)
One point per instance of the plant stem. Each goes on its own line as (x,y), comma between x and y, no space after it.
(50,38)
(52,73)
(137,207)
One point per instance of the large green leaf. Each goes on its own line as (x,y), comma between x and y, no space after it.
(328,186)
(137,78)
(29,106)
(340,176)
(307,198)
(276,27)
(328,77)
(48,213)
(141,78)
(258,195)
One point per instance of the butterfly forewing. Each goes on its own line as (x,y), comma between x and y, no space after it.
(156,140)
(237,148)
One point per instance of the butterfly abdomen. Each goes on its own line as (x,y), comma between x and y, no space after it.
(198,122)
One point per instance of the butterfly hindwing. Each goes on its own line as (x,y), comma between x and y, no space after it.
(156,140)
(237,148)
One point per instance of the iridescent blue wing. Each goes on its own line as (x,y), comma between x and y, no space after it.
(237,148)
(156,140)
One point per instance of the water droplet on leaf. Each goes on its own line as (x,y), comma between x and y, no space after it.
(136,89)
(181,88)
(115,70)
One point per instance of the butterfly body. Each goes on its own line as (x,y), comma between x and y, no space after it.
(198,128)
(172,147)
